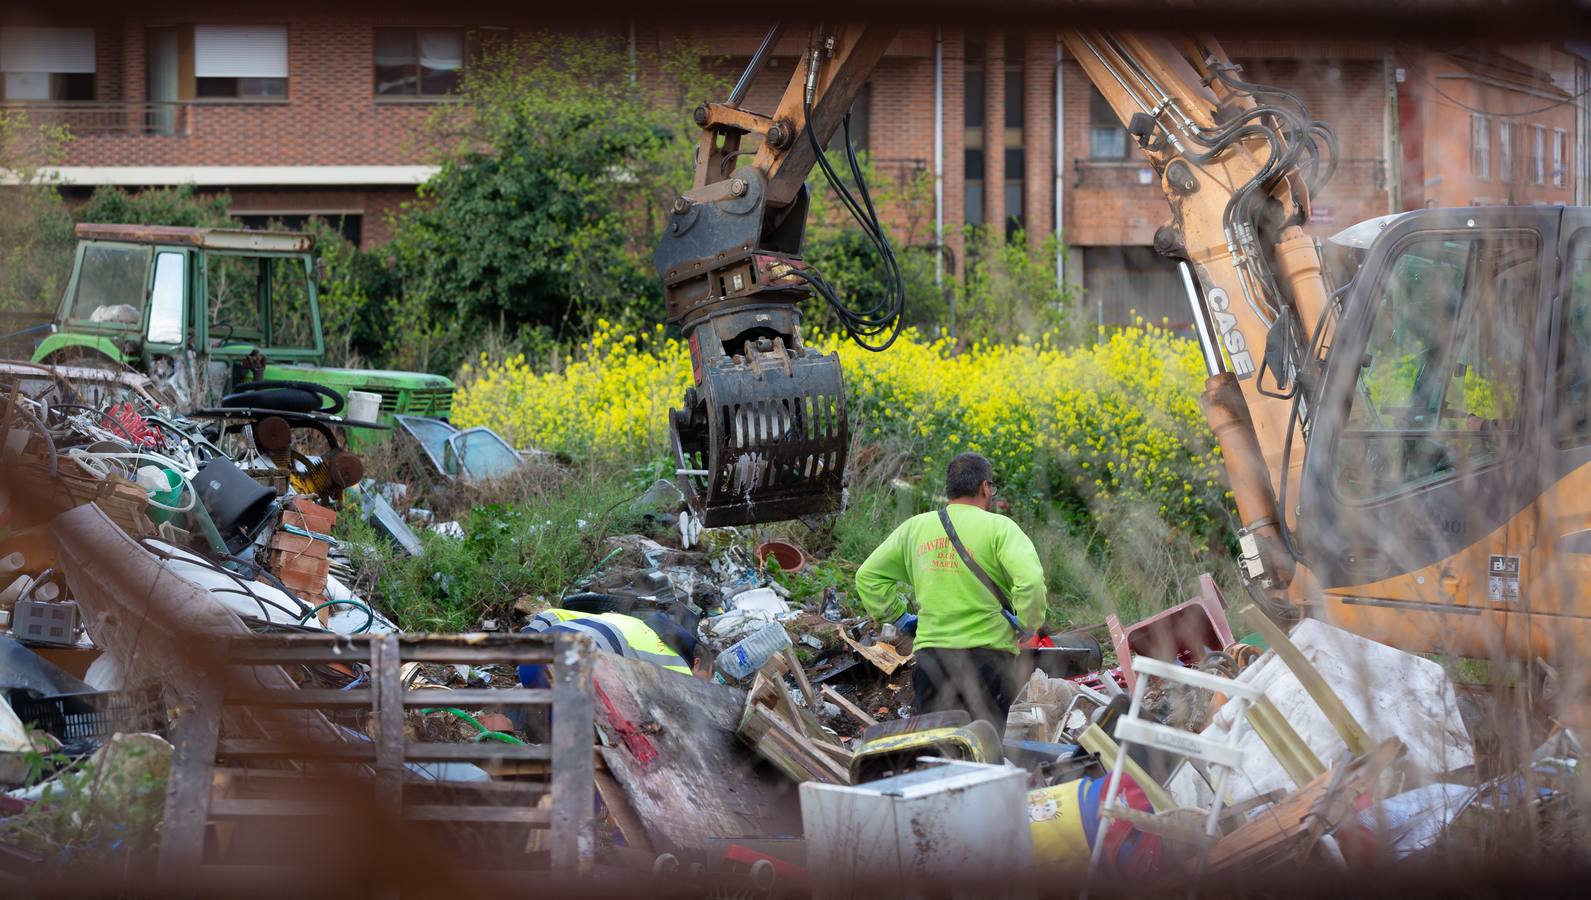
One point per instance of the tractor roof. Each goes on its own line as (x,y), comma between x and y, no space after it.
(209,238)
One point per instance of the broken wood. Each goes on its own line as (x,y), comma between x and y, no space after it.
(880,654)
(846,706)
(800,677)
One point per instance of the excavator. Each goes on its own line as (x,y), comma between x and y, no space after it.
(1403,411)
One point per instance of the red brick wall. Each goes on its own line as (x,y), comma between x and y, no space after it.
(331,116)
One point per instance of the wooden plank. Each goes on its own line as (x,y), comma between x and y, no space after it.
(428,751)
(801,678)
(691,781)
(194,738)
(512,815)
(573,760)
(390,749)
(331,698)
(1348,728)
(624,817)
(846,706)
(820,763)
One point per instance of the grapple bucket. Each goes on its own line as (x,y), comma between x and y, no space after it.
(763,435)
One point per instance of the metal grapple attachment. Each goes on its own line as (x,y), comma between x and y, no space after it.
(762,435)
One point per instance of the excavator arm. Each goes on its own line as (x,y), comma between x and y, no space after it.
(762,434)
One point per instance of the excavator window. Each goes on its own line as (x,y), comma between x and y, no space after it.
(1438,392)
(1573,425)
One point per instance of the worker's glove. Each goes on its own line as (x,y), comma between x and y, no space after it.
(905,625)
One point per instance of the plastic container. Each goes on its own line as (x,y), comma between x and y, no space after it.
(790,557)
(744,658)
(169,495)
(363,406)
(91,716)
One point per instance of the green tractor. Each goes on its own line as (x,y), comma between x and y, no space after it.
(203,310)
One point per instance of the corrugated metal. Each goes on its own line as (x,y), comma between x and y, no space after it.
(1123,283)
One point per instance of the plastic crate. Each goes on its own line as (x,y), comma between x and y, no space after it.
(91,716)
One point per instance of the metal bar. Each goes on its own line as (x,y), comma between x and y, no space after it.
(1213,363)
(574,759)
(479,697)
(522,654)
(517,815)
(758,60)
(1147,665)
(1175,740)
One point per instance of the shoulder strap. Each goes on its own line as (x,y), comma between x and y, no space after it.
(972,564)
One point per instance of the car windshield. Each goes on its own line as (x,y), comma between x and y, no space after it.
(432,435)
(485,454)
(110,285)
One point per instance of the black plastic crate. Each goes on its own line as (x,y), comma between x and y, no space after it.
(91,716)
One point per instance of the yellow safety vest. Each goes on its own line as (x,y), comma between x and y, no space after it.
(617,633)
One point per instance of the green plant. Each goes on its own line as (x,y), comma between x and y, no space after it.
(103,813)
(35,227)
(179,206)
(551,191)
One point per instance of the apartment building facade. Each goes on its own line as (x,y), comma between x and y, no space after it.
(304,111)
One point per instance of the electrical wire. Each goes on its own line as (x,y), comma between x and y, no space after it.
(485,733)
(370,616)
(874,327)
(1505,115)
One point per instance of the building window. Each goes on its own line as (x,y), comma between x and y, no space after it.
(1015,134)
(1505,151)
(349,225)
(1107,139)
(972,130)
(418,62)
(247,62)
(1560,157)
(862,118)
(1480,147)
(47,64)
(1538,153)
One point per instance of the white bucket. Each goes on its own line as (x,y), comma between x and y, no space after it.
(363,406)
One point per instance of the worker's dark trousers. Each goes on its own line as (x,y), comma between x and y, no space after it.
(983,682)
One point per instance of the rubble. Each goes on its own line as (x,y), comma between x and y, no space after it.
(142,547)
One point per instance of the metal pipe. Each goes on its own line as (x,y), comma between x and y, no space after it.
(1060,181)
(939,154)
(758,60)
(1201,321)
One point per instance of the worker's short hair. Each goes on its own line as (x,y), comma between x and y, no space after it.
(676,636)
(966,474)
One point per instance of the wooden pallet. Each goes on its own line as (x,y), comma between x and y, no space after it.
(222,784)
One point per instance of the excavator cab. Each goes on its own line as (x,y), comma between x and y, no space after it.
(1444,503)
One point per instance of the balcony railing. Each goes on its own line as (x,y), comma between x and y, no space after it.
(107,118)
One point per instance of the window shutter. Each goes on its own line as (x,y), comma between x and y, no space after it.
(53,50)
(240,51)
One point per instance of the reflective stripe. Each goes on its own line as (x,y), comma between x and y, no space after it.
(616,633)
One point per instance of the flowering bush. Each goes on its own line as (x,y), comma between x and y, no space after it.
(1118,420)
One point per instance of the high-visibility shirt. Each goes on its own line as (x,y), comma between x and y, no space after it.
(614,633)
(954,609)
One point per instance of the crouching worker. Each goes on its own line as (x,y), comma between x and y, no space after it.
(656,639)
(977,580)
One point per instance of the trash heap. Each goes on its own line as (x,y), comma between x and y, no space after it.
(147,554)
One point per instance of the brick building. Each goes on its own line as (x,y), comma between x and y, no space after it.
(301,111)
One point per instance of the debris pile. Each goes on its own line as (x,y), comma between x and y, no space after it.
(149,557)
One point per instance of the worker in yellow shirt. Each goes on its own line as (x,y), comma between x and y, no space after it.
(977,582)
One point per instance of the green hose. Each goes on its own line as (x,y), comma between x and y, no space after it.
(485,733)
(370,616)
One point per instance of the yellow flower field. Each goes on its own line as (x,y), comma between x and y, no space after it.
(1061,424)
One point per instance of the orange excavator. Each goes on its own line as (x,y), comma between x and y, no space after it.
(1406,430)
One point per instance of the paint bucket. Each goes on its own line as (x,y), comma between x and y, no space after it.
(363,406)
(1065,823)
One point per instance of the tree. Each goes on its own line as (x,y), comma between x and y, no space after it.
(180,206)
(35,227)
(552,189)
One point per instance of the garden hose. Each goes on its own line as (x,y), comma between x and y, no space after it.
(370,616)
(485,733)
